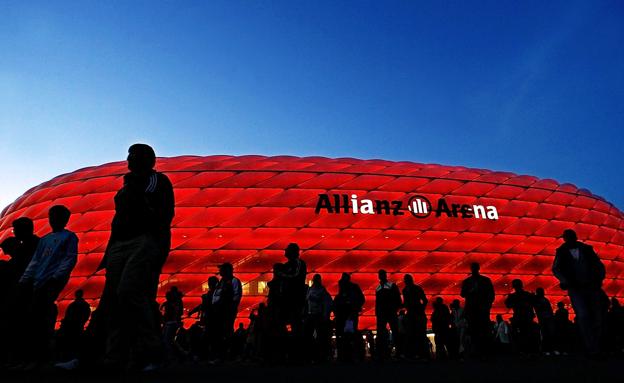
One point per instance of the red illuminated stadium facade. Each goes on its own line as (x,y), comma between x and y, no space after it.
(245,210)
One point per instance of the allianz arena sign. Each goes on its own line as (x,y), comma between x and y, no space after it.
(347,215)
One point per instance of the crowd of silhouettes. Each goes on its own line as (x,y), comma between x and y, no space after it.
(298,322)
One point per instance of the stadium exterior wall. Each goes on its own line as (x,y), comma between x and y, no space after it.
(246,209)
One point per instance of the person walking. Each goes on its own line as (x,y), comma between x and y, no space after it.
(580,271)
(137,250)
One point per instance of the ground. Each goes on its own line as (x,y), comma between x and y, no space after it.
(559,369)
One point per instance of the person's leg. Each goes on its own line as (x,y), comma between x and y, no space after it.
(583,309)
(382,337)
(135,292)
(393,322)
(117,339)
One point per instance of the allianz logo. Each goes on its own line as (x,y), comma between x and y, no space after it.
(418,205)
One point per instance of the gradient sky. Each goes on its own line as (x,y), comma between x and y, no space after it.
(531,87)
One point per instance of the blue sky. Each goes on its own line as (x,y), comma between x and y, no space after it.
(531,87)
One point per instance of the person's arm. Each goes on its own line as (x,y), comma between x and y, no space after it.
(194,310)
(464,290)
(68,261)
(237,290)
(423,297)
(557,270)
(491,293)
(168,200)
(509,301)
(31,269)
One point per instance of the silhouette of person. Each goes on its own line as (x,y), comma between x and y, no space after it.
(502,335)
(272,342)
(293,276)
(45,277)
(456,343)
(172,310)
(563,330)
(415,301)
(544,312)
(441,326)
(25,246)
(347,306)
(581,272)
(209,321)
(615,326)
(387,303)
(317,312)
(72,327)
(478,292)
(521,303)
(205,307)
(225,301)
(20,249)
(137,249)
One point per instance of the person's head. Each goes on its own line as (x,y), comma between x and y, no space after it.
(226,270)
(79,294)
(474,268)
(439,301)
(23,228)
(540,292)
(499,318)
(455,304)
(58,216)
(345,277)
(383,276)
(241,326)
(402,312)
(292,251)
(517,285)
(316,280)
(141,158)
(9,246)
(560,305)
(408,279)
(569,236)
(212,282)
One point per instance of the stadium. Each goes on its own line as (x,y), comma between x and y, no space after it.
(347,215)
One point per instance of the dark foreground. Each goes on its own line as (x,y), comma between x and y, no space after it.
(556,369)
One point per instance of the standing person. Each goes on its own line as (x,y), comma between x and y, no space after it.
(72,327)
(521,302)
(207,318)
(581,272)
(225,300)
(293,277)
(457,342)
(348,304)
(415,302)
(20,249)
(45,277)
(441,326)
(502,335)
(478,292)
(137,249)
(387,303)
(563,329)
(172,310)
(318,310)
(544,312)
(26,244)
